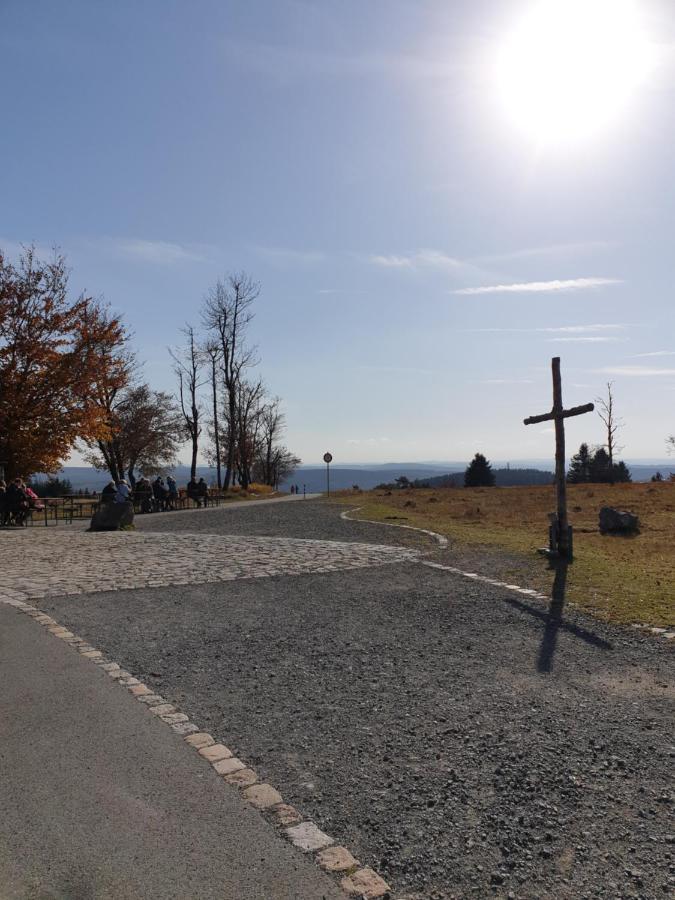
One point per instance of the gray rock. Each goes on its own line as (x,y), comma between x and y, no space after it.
(617,520)
(112,517)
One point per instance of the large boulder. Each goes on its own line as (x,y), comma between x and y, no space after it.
(112,517)
(618,521)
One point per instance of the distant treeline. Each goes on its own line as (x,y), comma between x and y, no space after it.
(504,478)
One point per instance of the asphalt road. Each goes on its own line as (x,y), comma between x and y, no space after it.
(446,731)
(98,799)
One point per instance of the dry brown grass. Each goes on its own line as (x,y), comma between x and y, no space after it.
(624,579)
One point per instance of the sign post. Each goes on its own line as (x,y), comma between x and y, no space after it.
(328,459)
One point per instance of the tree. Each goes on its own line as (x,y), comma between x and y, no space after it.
(248,411)
(211,351)
(227,314)
(51,349)
(587,467)
(144,437)
(612,425)
(479,473)
(52,487)
(274,463)
(187,367)
(580,466)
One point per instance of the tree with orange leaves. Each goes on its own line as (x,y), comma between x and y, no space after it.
(56,356)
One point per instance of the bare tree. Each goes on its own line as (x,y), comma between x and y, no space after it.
(272,423)
(212,353)
(612,426)
(188,366)
(249,407)
(227,313)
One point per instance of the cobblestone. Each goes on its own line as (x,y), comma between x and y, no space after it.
(109,561)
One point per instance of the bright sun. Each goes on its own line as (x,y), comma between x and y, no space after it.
(570,66)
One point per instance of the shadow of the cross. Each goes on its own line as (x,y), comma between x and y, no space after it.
(554,622)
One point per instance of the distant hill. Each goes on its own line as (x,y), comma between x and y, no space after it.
(369,476)
(504,478)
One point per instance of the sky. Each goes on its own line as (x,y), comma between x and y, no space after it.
(435,197)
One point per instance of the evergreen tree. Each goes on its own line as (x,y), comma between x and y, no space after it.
(580,466)
(587,467)
(479,473)
(600,469)
(621,472)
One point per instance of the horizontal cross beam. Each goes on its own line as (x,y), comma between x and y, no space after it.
(562,414)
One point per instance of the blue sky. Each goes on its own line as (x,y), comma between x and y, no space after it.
(421,255)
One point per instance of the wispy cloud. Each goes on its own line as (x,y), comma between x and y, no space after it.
(434,259)
(653,353)
(505,381)
(636,371)
(340,291)
(597,339)
(287,63)
(556,250)
(558,329)
(156,252)
(540,287)
(397,370)
(286,256)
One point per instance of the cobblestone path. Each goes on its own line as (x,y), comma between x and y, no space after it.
(39,563)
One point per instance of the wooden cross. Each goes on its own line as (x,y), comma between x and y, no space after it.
(558,414)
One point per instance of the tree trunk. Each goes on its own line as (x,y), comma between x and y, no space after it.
(216,435)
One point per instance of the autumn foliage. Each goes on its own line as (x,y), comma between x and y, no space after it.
(56,356)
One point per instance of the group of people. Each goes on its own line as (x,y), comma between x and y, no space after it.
(295,489)
(17,502)
(155,496)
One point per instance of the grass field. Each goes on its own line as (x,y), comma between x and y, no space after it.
(622,579)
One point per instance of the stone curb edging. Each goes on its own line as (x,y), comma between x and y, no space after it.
(440,539)
(356,881)
(665,633)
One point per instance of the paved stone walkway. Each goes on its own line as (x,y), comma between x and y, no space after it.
(55,563)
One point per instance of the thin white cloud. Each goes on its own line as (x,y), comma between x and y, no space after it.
(156,252)
(431,259)
(506,381)
(340,291)
(540,287)
(287,63)
(561,329)
(635,371)
(558,250)
(404,370)
(286,256)
(584,340)
(653,353)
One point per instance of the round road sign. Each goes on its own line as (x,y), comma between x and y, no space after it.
(328,457)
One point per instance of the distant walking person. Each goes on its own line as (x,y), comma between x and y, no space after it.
(292,489)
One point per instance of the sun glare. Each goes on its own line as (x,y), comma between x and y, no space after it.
(570,67)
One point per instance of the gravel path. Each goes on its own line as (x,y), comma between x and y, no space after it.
(443,730)
(315,519)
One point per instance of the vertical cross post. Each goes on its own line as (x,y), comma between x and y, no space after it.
(561,532)
(560,477)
